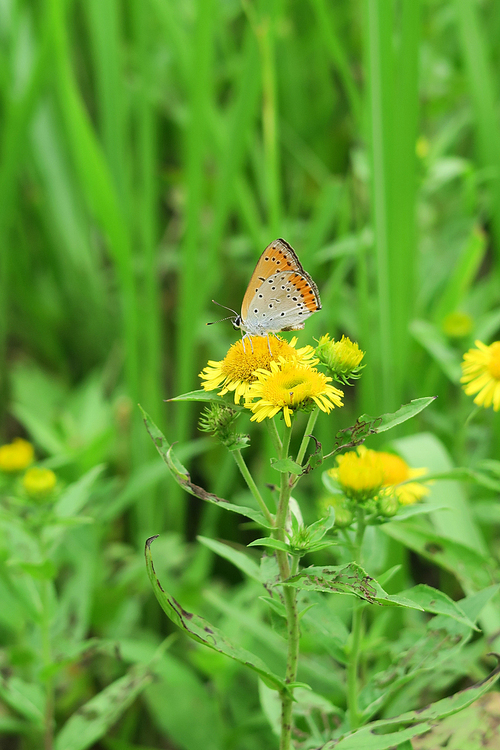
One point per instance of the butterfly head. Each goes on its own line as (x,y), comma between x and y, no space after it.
(237,321)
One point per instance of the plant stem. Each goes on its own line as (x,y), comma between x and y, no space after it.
(48,737)
(273,431)
(357,615)
(305,440)
(290,597)
(252,486)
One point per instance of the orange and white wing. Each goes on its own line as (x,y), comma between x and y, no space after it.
(278,256)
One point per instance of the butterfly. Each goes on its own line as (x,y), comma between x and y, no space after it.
(280,295)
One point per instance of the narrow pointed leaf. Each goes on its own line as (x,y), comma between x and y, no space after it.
(94,719)
(203,395)
(420,721)
(387,421)
(240,559)
(200,630)
(183,478)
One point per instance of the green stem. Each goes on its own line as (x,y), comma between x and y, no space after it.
(48,738)
(252,486)
(290,597)
(307,432)
(357,623)
(275,437)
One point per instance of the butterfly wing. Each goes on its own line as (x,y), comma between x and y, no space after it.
(280,295)
(278,256)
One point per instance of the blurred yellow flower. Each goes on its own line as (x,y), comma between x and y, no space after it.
(343,358)
(481,374)
(289,386)
(236,372)
(395,471)
(39,483)
(422,147)
(16,456)
(359,473)
(364,474)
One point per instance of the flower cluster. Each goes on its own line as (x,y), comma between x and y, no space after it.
(379,481)
(272,376)
(16,457)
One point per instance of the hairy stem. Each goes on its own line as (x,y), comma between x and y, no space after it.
(290,597)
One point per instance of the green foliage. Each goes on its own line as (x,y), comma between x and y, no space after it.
(148,152)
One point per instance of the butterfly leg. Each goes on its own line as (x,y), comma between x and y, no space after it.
(246,336)
(269,345)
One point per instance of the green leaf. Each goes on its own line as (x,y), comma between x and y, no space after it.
(24,697)
(93,720)
(77,494)
(241,560)
(203,395)
(417,509)
(474,728)
(352,579)
(270,542)
(200,630)
(442,643)
(347,579)
(388,421)
(275,605)
(435,601)
(435,343)
(468,566)
(182,477)
(421,721)
(42,571)
(286,465)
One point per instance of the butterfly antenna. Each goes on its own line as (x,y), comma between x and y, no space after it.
(229,317)
(225,308)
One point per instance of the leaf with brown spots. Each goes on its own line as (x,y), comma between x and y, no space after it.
(182,477)
(389,733)
(200,630)
(95,718)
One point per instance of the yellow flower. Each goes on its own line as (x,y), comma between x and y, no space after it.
(16,456)
(343,358)
(481,374)
(236,372)
(359,473)
(395,471)
(288,386)
(39,483)
(365,474)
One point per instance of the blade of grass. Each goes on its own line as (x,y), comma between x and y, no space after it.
(192,266)
(18,107)
(392,118)
(336,50)
(98,185)
(483,91)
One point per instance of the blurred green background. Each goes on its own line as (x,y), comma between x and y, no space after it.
(150,150)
